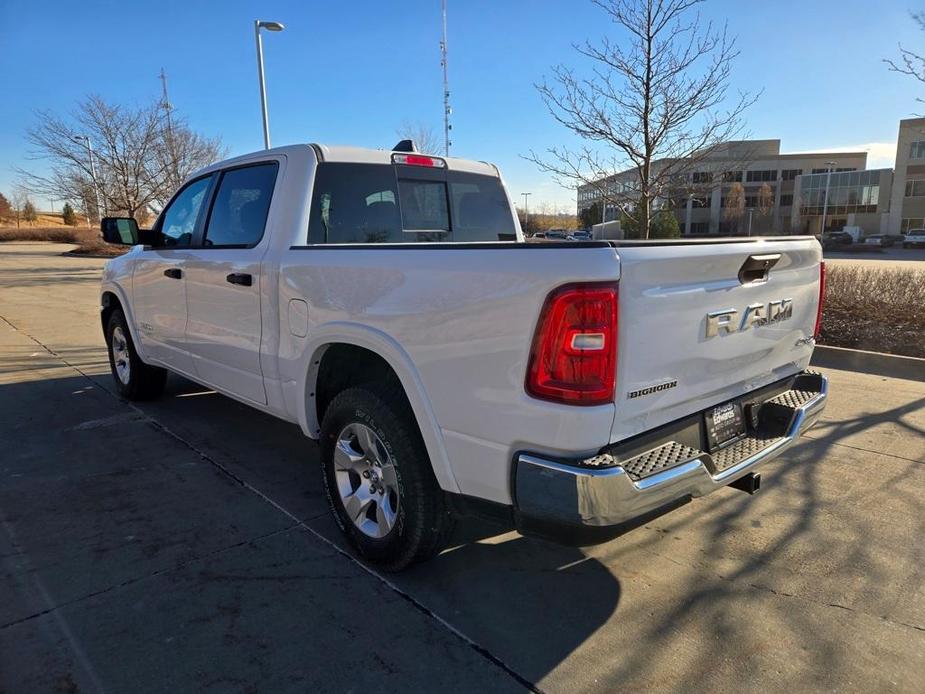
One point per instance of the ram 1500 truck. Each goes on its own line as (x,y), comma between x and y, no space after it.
(387,303)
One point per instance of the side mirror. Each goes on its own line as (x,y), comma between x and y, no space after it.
(120,230)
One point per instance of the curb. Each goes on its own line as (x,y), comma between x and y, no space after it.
(877,363)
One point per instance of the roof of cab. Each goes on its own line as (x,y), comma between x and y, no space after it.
(361,155)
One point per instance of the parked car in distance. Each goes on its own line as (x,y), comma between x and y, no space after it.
(914,238)
(882,240)
(580,235)
(386,303)
(833,239)
(557,234)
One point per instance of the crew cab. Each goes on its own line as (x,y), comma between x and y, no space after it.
(387,303)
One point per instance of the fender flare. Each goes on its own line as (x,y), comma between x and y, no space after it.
(112,288)
(397,358)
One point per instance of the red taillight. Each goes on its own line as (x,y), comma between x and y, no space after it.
(818,330)
(418,160)
(574,355)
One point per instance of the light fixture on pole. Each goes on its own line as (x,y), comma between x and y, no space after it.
(96,185)
(825,203)
(269,26)
(526,213)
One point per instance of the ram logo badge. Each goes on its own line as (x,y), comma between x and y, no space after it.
(727,321)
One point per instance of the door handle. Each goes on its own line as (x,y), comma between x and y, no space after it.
(757,267)
(242,278)
(173,273)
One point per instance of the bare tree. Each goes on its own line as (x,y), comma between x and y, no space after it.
(423,136)
(765,203)
(909,62)
(732,203)
(656,103)
(20,198)
(139,162)
(6,209)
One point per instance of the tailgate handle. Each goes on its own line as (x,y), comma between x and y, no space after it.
(757,267)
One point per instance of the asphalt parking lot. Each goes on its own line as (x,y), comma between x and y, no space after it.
(184,545)
(893,257)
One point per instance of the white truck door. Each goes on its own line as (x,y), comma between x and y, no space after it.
(159,280)
(223,330)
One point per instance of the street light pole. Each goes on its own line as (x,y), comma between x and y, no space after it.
(96,184)
(825,203)
(750,209)
(526,212)
(269,26)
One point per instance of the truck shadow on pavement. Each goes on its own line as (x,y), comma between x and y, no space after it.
(102,495)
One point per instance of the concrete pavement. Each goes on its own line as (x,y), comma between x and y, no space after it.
(185,544)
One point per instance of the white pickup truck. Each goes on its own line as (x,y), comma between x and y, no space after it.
(387,303)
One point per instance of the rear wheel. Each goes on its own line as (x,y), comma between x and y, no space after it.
(378,479)
(134,379)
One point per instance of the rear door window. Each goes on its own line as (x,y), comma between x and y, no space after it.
(239,213)
(381,203)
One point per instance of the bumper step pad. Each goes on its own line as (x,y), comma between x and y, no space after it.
(672,453)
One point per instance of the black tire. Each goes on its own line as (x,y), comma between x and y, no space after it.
(423,523)
(139,381)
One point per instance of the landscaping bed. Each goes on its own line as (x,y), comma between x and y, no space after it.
(875,309)
(88,241)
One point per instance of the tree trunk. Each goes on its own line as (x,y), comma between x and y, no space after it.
(644,213)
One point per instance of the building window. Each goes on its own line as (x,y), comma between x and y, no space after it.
(912,223)
(751,201)
(790,174)
(702,202)
(840,169)
(699,228)
(702,177)
(786,200)
(732,177)
(915,188)
(760,176)
(917,150)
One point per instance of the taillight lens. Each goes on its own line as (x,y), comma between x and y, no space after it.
(574,355)
(818,330)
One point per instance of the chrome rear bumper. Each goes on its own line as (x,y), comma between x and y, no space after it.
(575,494)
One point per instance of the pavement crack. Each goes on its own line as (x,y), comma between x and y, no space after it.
(153,574)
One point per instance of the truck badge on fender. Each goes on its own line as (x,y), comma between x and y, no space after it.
(728,321)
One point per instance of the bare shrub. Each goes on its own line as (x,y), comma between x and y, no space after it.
(882,310)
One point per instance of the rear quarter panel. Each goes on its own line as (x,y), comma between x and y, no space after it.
(464,317)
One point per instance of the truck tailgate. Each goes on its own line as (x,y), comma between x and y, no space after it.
(673,360)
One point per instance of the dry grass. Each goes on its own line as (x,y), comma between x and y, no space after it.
(881,310)
(88,240)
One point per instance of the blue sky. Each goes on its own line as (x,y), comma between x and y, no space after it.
(351,72)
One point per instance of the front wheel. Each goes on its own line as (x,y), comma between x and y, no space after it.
(378,479)
(134,379)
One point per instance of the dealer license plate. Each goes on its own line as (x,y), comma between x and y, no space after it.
(725,423)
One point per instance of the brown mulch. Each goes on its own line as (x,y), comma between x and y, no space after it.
(88,241)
